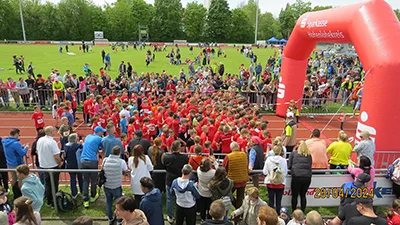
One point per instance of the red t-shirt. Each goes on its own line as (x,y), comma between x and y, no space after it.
(87,106)
(212,130)
(103,120)
(39,119)
(169,141)
(146,132)
(226,140)
(60,112)
(203,138)
(242,144)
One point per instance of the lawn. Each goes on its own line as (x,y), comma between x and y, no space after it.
(46,57)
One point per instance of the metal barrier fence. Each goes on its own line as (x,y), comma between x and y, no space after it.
(379,172)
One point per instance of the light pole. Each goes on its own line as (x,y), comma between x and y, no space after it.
(256,30)
(22,20)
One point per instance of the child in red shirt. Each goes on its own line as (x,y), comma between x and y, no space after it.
(226,139)
(195,160)
(170,138)
(197,141)
(207,148)
(146,129)
(88,108)
(38,117)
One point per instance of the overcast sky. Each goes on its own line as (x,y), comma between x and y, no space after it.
(270,5)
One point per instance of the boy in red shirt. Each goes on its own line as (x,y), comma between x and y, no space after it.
(204,135)
(88,108)
(207,147)
(197,141)
(242,139)
(102,119)
(226,139)
(38,117)
(146,129)
(170,138)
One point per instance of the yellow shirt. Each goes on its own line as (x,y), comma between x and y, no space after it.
(340,153)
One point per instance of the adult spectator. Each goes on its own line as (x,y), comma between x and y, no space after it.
(268,216)
(393,216)
(126,209)
(349,196)
(173,165)
(49,158)
(31,187)
(366,147)
(236,164)
(205,173)
(340,151)
(14,153)
(140,166)
(114,167)
(314,218)
(71,162)
(89,161)
(289,132)
(221,186)
(83,220)
(363,167)
(110,140)
(139,140)
(34,154)
(317,147)
(151,203)
(275,171)
(217,213)
(186,194)
(250,207)
(3,165)
(300,163)
(256,159)
(24,213)
(393,173)
(368,216)
(156,154)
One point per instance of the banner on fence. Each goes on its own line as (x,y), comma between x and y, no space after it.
(324,191)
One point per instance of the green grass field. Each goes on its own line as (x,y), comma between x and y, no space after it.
(46,57)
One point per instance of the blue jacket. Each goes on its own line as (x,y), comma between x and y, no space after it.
(91,147)
(33,189)
(151,205)
(109,142)
(14,151)
(70,150)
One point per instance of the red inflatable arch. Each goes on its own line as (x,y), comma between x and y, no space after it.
(374,30)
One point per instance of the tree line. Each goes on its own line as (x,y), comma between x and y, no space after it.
(167,20)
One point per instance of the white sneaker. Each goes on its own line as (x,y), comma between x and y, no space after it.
(170,219)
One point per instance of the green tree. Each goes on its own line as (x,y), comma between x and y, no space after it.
(194,21)
(319,8)
(120,22)
(50,26)
(242,31)
(268,27)
(10,24)
(143,14)
(219,21)
(167,21)
(397,12)
(288,16)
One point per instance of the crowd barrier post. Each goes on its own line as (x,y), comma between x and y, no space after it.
(53,191)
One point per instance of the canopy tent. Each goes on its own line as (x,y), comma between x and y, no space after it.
(273,39)
(283,40)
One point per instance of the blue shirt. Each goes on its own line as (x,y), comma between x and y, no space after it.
(71,119)
(109,142)
(122,124)
(91,147)
(252,157)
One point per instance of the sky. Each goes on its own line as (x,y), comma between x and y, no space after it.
(273,6)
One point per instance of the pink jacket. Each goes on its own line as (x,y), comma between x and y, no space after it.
(356,171)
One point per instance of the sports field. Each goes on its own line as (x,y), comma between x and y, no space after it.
(46,57)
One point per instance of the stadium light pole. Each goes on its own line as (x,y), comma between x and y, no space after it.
(22,20)
(256,30)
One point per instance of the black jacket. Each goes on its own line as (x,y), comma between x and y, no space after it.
(212,222)
(174,163)
(299,165)
(139,141)
(3,161)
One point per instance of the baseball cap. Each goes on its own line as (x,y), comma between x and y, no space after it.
(289,115)
(99,129)
(284,210)
(362,179)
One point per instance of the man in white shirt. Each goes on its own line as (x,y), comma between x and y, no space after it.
(49,158)
(125,112)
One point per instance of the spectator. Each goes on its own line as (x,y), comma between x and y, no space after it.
(3,165)
(364,167)
(139,140)
(14,153)
(114,167)
(217,213)
(289,133)
(300,163)
(250,207)
(256,159)
(126,209)
(110,141)
(393,216)
(34,154)
(314,218)
(3,218)
(64,131)
(298,217)
(317,147)
(83,220)
(89,161)
(186,194)
(368,216)
(284,215)
(221,187)
(31,187)
(340,151)
(366,147)
(393,173)
(275,171)
(236,165)
(205,173)
(151,203)
(24,214)
(5,205)
(173,165)
(71,162)
(268,216)
(156,155)
(361,181)
(49,158)
(140,166)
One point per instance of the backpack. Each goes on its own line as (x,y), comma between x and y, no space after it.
(65,202)
(227,201)
(396,174)
(277,176)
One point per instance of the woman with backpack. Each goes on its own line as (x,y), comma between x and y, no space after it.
(275,171)
(393,173)
(300,166)
(221,188)
(363,167)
